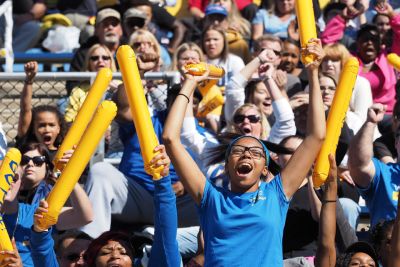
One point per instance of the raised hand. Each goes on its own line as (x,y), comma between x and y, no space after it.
(376,113)
(314,47)
(31,69)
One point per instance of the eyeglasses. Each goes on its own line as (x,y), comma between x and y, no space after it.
(255,152)
(332,88)
(240,118)
(96,58)
(38,161)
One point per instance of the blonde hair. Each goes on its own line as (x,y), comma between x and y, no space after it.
(183,48)
(336,52)
(266,128)
(144,35)
(108,52)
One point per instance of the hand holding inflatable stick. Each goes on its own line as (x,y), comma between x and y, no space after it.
(105,113)
(337,114)
(394,60)
(84,115)
(138,104)
(307,28)
(7,171)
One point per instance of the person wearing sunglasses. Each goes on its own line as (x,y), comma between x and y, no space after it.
(33,183)
(265,94)
(98,56)
(251,207)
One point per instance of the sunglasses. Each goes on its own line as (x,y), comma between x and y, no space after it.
(240,118)
(96,58)
(38,161)
(136,45)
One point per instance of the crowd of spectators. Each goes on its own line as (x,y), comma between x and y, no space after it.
(236,186)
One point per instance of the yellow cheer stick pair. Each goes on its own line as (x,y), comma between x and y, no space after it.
(7,175)
(140,113)
(336,116)
(84,115)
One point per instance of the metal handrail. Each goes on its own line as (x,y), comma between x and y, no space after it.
(172,76)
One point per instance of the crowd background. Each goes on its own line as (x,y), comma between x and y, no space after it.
(200,214)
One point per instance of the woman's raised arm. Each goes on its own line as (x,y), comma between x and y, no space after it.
(301,161)
(191,176)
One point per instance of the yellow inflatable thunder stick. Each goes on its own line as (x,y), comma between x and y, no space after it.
(105,113)
(198,69)
(394,60)
(307,28)
(337,113)
(5,242)
(84,115)
(137,102)
(7,171)
(212,99)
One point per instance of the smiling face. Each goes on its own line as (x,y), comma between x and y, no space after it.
(99,59)
(114,253)
(46,128)
(245,165)
(213,44)
(290,57)
(248,122)
(34,170)
(262,99)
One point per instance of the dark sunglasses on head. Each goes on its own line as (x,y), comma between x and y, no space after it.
(38,161)
(96,58)
(240,118)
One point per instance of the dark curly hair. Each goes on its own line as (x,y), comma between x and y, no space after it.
(30,135)
(378,232)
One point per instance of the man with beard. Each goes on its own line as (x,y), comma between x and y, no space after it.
(108,31)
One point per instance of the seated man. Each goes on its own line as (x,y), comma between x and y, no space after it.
(377,182)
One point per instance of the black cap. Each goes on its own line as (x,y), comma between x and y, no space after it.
(364,247)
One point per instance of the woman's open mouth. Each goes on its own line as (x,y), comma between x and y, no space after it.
(244,168)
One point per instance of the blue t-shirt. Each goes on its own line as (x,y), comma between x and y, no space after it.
(382,193)
(244,229)
(19,226)
(132,164)
(272,24)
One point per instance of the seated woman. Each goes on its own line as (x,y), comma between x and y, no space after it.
(98,56)
(36,168)
(115,247)
(255,208)
(274,21)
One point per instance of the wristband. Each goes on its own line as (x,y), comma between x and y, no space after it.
(185,97)
(30,82)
